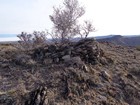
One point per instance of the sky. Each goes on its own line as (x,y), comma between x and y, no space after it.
(108,16)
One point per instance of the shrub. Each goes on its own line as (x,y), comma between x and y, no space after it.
(31,41)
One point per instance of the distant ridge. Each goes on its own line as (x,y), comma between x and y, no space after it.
(122,40)
(129,40)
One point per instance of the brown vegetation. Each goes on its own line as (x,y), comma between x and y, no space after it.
(31,41)
(84,72)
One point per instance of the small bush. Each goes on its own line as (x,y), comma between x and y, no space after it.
(31,41)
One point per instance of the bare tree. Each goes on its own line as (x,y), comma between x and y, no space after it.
(65,20)
(85,29)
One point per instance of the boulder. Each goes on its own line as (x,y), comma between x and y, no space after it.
(7,100)
(37,97)
(66,58)
(48,61)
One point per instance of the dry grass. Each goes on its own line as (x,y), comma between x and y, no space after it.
(93,81)
(7,47)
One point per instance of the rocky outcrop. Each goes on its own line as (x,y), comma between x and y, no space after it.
(88,50)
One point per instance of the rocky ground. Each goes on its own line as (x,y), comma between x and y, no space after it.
(78,73)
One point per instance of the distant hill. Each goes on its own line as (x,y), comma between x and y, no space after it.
(133,40)
(121,40)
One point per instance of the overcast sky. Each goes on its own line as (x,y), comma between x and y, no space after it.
(108,16)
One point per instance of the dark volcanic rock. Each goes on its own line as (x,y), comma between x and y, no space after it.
(87,49)
(7,100)
(37,97)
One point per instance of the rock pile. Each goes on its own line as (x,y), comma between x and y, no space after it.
(86,50)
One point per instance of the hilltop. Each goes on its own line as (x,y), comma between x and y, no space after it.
(81,73)
(133,40)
